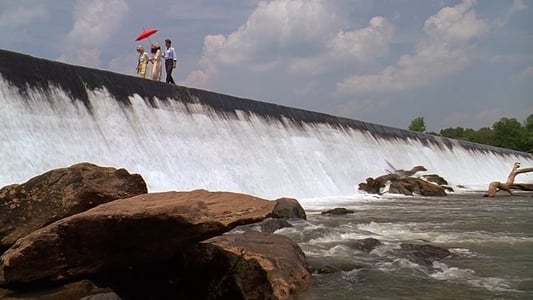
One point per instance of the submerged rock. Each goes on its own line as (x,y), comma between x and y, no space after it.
(365,245)
(328,265)
(424,254)
(338,211)
(270,225)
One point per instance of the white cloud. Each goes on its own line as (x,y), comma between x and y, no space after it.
(517,6)
(125,62)
(359,46)
(21,15)
(366,43)
(456,24)
(287,27)
(277,32)
(361,107)
(469,119)
(509,59)
(292,36)
(447,49)
(95,23)
(208,11)
(16,19)
(527,74)
(213,44)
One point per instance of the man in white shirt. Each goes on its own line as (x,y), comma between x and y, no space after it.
(170,60)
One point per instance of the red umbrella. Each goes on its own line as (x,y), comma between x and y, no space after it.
(146,33)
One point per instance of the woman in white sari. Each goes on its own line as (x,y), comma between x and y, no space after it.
(156,61)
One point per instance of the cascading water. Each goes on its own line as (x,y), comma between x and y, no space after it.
(181,139)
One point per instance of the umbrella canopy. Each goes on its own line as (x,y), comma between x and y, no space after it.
(146,33)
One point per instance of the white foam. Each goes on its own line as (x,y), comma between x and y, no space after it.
(178,146)
(464,252)
(492,284)
(339,250)
(470,277)
(397,264)
(427,232)
(453,273)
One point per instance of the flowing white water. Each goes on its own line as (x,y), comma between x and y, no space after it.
(180,146)
(490,241)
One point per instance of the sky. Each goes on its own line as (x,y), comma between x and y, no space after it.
(455,63)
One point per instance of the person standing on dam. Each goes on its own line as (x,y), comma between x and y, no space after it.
(156,61)
(170,60)
(142,62)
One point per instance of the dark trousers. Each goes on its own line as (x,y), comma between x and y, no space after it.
(169,67)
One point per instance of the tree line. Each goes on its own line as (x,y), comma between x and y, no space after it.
(506,133)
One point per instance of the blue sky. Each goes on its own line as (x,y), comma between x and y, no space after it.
(456,63)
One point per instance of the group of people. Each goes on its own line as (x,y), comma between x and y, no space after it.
(169,56)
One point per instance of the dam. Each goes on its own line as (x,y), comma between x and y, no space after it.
(54,115)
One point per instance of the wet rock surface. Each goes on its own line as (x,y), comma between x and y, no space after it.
(168,245)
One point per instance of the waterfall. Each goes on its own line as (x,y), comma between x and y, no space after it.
(54,115)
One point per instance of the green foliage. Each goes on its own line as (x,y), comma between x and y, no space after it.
(528,125)
(454,133)
(509,133)
(506,133)
(483,136)
(418,124)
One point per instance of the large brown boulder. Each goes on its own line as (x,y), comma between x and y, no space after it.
(61,193)
(83,289)
(136,230)
(435,178)
(252,265)
(402,185)
(264,265)
(288,208)
(375,186)
(426,188)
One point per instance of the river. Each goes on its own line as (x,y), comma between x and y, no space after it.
(491,241)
